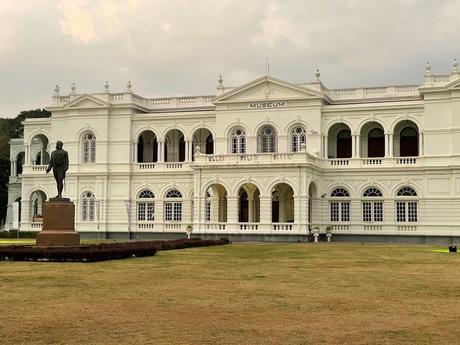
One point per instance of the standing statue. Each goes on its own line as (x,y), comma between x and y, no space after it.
(59,162)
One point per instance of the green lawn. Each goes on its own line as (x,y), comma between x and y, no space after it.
(238,294)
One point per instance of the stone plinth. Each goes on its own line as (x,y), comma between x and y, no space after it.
(58,224)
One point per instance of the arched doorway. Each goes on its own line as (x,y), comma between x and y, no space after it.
(174,146)
(249,204)
(20,159)
(203,139)
(282,203)
(147,147)
(216,204)
(38,150)
(406,139)
(339,141)
(372,140)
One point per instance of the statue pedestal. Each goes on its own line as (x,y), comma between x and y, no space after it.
(58,224)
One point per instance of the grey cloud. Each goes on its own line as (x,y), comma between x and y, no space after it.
(180,47)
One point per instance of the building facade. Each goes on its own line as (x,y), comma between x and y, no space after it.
(268,159)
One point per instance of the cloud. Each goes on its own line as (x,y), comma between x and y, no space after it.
(174,47)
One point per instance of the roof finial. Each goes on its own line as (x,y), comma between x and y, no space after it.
(427,68)
(129,86)
(455,66)
(73,88)
(56,90)
(317,74)
(267,66)
(106,86)
(220,80)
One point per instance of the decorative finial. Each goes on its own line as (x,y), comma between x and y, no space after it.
(56,90)
(73,88)
(106,86)
(220,80)
(427,68)
(455,66)
(317,74)
(129,86)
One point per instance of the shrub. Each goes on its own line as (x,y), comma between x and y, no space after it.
(83,253)
(100,251)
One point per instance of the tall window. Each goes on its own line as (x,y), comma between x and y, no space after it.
(372,205)
(298,137)
(89,148)
(173,206)
(88,207)
(238,141)
(146,206)
(406,206)
(340,205)
(266,140)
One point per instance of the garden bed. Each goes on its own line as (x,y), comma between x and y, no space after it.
(100,251)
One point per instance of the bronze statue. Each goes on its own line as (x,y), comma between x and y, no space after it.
(59,162)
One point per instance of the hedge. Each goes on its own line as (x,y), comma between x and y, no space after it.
(101,251)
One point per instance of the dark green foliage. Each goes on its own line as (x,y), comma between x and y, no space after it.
(12,128)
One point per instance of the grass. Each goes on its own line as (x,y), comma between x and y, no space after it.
(238,294)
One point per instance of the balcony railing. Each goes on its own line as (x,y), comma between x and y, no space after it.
(256,159)
(162,166)
(371,162)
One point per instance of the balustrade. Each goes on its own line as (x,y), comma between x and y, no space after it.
(282,226)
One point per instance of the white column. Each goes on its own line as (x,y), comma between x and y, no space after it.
(232,209)
(215,209)
(386,144)
(326,147)
(265,209)
(27,160)
(187,151)
(12,168)
(135,153)
(390,145)
(250,209)
(354,145)
(161,151)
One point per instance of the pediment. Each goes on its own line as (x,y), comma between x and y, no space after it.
(454,85)
(267,88)
(86,101)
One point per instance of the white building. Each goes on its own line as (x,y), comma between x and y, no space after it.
(265,160)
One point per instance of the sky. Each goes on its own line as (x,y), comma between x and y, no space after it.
(179,47)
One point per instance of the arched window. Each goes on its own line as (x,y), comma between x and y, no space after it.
(238,141)
(298,137)
(266,140)
(372,205)
(146,206)
(88,207)
(406,206)
(173,206)
(340,205)
(89,148)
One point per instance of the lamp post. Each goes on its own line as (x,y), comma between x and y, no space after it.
(98,209)
(128,211)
